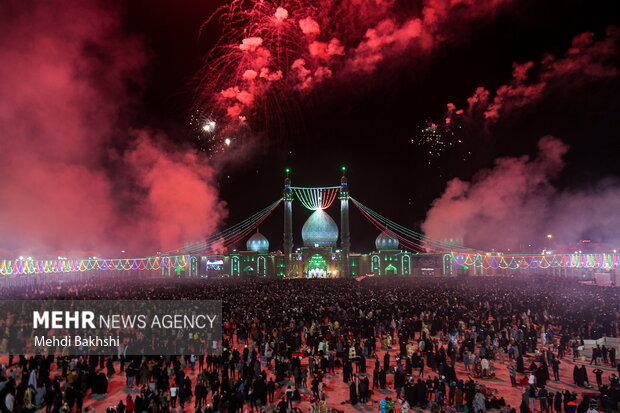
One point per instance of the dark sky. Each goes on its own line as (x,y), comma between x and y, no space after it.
(367,124)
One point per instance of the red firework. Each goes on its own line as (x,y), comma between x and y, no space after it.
(270,52)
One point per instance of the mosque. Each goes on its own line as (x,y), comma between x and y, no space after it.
(325,250)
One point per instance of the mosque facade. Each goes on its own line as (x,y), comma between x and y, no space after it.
(324,253)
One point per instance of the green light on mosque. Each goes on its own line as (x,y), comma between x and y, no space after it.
(317,263)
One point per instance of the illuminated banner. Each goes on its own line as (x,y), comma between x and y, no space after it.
(101,327)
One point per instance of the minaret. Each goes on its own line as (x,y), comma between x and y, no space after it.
(345,236)
(288,223)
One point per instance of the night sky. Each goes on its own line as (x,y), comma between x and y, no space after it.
(368,122)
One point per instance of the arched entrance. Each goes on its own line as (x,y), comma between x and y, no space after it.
(235,266)
(261,266)
(317,267)
(391,270)
(406,265)
(376,266)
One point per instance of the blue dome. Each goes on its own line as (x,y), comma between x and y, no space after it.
(258,243)
(386,241)
(320,229)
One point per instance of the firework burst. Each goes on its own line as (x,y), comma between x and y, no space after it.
(266,49)
(438,137)
(272,52)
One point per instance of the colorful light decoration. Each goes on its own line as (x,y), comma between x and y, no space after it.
(317,267)
(486,260)
(166,261)
(381,227)
(316,198)
(230,235)
(405,265)
(604,261)
(28,267)
(411,239)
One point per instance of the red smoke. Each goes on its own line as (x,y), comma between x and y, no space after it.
(585,60)
(515,204)
(502,206)
(180,202)
(515,94)
(430,29)
(307,42)
(64,188)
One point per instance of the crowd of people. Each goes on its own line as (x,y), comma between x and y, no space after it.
(393,343)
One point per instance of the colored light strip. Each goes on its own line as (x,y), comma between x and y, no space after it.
(28,267)
(379,226)
(230,237)
(426,241)
(248,230)
(606,261)
(316,198)
(227,233)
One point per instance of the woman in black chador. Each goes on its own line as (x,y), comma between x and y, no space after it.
(353,392)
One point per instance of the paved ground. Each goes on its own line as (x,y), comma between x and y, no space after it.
(337,391)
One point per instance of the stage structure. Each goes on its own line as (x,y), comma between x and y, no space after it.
(324,250)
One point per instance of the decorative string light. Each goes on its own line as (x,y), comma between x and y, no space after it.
(167,260)
(19,267)
(491,261)
(407,243)
(316,198)
(468,257)
(230,235)
(421,240)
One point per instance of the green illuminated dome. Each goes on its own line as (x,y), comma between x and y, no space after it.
(386,241)
(320,230)
(258,243)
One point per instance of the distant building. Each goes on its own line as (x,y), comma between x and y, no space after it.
(319,256)
(325,250)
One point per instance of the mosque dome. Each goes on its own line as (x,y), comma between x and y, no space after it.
(386,241)
(320,229)
(258,243)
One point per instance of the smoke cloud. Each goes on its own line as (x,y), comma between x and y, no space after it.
(308,42)
(585,61)
(74,180)
(433,27)
(515,204)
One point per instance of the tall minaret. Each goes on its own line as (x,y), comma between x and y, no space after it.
(345,236)
(287,196)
